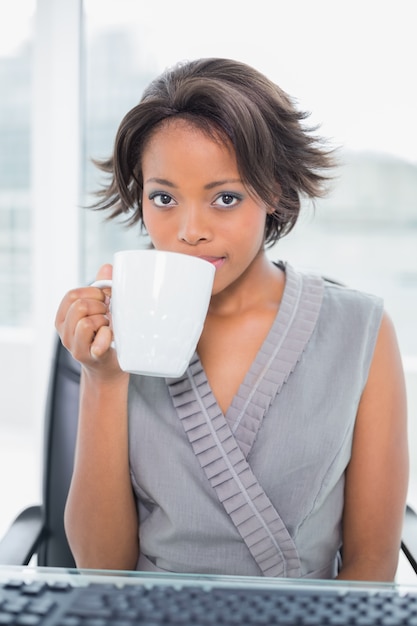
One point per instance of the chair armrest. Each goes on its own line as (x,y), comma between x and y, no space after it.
(19,543)
(409,537)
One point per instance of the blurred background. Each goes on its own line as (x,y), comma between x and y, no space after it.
(69,71)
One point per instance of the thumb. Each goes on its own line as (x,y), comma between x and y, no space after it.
(105,272)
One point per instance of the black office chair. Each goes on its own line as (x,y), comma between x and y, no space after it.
(40,529)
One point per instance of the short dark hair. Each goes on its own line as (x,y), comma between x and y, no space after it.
(236,103)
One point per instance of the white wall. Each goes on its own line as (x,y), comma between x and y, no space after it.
(16,381)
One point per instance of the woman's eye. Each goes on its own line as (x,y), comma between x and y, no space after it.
(227,200)
(161,199)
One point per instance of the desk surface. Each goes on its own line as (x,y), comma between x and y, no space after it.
(80,577)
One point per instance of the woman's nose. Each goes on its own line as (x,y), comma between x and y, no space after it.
(194,226)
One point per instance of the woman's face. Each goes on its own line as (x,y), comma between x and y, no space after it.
(195,202)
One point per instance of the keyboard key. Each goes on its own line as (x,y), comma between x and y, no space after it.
(69,621)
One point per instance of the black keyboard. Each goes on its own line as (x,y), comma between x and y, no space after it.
(88,601)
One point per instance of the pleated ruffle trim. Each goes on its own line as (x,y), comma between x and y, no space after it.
(222,443)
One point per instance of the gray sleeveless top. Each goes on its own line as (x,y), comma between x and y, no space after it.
(258,491)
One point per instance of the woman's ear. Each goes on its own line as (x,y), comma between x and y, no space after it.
(276,198)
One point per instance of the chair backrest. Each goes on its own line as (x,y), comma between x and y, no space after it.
(59,446)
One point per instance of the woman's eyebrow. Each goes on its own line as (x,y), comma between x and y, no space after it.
(161,181)
(212,185)
(220,183)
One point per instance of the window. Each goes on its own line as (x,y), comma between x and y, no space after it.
(16,48)
(349,64)
(15,145)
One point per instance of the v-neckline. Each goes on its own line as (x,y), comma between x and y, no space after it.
(276,359)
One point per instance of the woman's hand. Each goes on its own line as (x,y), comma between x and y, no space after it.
(83,323)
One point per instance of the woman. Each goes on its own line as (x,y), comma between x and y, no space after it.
(296,384)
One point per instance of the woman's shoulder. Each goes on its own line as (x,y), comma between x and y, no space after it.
(335,291)
(338,293)
(342,307)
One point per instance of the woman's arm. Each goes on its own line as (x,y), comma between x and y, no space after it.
(377,475)
(100,517)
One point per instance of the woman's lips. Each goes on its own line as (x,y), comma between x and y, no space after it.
(217,261)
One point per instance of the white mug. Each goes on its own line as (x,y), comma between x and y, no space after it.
(158,306)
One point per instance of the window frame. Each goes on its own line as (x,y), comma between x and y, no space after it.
(56,171)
